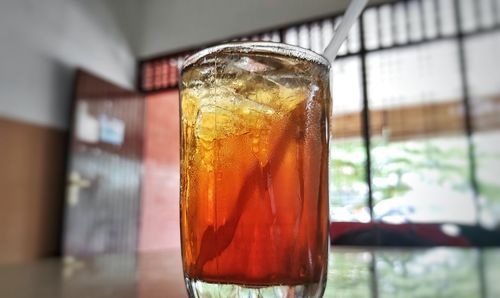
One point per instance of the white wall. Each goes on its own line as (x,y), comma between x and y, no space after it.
(168,25)
(41,45)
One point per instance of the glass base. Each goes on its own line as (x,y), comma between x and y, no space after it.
(201,289)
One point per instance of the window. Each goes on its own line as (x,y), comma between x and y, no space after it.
(483,74)
(348,186)
(416,105)
(419,147)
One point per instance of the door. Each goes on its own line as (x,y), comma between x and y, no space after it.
(104,171)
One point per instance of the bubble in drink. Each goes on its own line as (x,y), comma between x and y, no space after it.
(254,197)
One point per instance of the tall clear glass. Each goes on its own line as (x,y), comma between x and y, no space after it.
(254,171)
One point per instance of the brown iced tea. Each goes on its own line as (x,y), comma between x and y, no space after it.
(254,167)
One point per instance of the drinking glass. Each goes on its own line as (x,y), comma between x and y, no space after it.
(254,171)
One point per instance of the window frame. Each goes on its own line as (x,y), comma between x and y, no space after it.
(161,72)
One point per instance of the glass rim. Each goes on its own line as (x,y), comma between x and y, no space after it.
(258,47)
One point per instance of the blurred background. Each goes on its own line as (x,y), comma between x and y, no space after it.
(89,134)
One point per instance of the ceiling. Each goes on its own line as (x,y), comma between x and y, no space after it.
(159,26)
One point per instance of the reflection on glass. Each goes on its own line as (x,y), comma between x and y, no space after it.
(441,272)
(348,274)
(491,261)
(425,273)
(86,277)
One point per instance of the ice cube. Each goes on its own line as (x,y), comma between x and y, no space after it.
(288,80)
(235,104)
(214,122)
(282,99)
(224,113)
(250,65)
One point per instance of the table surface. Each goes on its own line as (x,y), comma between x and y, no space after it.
(353,272)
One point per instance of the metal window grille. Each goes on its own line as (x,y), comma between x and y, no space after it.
(410,24)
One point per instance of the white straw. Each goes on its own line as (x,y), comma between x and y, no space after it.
(351,15)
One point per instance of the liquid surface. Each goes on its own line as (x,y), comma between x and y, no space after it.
(254,197)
